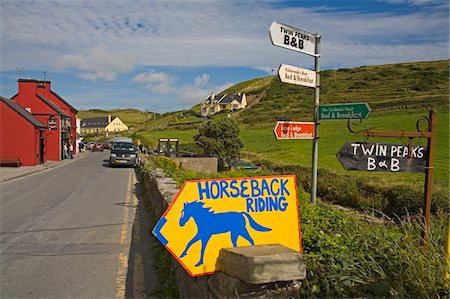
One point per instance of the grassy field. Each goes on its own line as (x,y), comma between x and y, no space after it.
(333,135)
(260,141)
(398,94)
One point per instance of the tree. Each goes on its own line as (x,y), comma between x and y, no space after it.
(220,138)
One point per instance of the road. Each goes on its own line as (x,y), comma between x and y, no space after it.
(67,232)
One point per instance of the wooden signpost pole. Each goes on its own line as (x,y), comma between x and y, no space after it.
(430,134)
(429,175)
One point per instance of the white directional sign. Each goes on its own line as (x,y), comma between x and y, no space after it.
(292,38)
(296,75)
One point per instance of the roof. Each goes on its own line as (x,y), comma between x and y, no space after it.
(64,101)
(224,98)
(53,106)
(22,112)
(95,122)
(216,99)
(228,99)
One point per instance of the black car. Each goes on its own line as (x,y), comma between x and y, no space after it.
(124,153)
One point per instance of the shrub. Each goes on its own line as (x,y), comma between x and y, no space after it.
(348,258)
(220,138)
(345,257)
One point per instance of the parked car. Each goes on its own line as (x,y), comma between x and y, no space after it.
(97,147)
(107,144)
(124,153)
(90,145)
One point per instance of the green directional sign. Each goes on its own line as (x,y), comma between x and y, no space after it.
(344,111)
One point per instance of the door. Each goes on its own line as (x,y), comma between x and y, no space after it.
(41,146)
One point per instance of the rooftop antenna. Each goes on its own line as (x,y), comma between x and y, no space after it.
(45,74)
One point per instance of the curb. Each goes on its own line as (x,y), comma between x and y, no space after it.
(43,167)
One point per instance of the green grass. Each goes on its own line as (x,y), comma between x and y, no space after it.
(347,258)
(260,141)
(333,135)
(131,117)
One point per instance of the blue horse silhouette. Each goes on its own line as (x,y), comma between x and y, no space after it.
(210,223)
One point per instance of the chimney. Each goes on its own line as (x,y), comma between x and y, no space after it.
(212,96)
(27,90)
(43,88)
(109,118)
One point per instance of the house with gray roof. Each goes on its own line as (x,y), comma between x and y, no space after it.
(216,103)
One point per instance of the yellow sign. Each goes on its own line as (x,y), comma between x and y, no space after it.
(208,215)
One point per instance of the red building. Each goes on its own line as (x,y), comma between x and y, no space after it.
(44,89)
(31,97)
(22,136)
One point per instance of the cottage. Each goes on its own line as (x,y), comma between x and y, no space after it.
(22,136)
(214,104)
(106,124)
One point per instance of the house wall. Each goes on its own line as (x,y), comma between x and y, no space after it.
(116,125)
(27,99)
(47,93)
(18,137)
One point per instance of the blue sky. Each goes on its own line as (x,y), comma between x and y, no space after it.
(169,55)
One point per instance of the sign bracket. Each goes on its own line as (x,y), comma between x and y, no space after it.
(430,134)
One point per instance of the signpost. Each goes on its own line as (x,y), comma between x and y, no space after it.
(292,38)
(396,158)
(298,40)
(294,130)
(208,215)
(382,157)
(295,75)
(344,111)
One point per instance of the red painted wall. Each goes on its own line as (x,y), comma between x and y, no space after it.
(27,99)
(18,137)
(44,89)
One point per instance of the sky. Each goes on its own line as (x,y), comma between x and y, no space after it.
(169,55)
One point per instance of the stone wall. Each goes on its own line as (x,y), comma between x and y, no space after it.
(161,190)
(203,165)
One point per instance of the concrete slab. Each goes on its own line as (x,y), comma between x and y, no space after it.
(262,263)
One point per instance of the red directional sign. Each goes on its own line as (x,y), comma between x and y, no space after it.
(294,130)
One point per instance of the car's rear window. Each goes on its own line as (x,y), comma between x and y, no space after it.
(123,146)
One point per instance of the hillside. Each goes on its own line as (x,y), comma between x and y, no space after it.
(394,86)
(385,87)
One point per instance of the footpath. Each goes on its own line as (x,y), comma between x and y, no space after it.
(9,173)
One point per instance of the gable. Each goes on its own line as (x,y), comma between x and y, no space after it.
(22,112)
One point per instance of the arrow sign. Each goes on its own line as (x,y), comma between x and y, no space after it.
(378,157)
(294,130)
(208,215)
(344,111)
(298,76)
(292,38)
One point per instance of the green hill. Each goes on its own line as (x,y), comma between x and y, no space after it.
(384,87)
(131,117)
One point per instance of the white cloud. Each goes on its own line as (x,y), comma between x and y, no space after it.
(158,82)
(197,92)
(95,37)
(201,81)
(105,41)
(100,64)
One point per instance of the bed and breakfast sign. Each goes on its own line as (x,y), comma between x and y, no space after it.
(208,215)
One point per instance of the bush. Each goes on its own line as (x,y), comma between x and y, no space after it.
(348,258)
(345,257)
(220,138)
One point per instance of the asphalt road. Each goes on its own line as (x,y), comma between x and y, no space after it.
(66,232)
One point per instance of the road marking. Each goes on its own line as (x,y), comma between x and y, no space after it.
(123,255)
